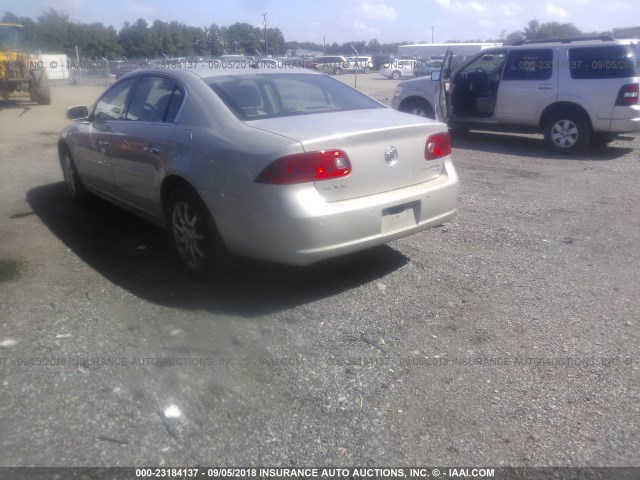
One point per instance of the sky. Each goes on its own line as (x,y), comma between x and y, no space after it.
(345,20)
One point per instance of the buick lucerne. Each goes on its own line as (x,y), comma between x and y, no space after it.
(291,166)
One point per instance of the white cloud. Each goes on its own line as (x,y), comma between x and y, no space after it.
(509,9)
(378,11)
(618,7)
(143,11)
(458,6)
(555,12)
(575,3)
(354,25)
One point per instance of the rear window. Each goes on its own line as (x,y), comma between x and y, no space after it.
(616,61)
(252,97)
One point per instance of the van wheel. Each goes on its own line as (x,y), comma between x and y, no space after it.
(418,107)
(567,132)
(337,71)
(367,70)
(396,75)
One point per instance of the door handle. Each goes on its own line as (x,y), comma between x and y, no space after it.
(103,146)
(545,87)
(152,150)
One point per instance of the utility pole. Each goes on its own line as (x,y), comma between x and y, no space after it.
(432,35)
(266,47)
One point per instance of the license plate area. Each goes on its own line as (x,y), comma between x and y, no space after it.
(400,217)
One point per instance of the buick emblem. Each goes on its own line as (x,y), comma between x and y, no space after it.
(391,155)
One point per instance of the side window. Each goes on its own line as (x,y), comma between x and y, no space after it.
(111,105)
(156,99)
(529,65)
(616,61)
(491,62)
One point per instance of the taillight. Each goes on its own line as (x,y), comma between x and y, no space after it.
(306,167)
(438,146)
(628,95)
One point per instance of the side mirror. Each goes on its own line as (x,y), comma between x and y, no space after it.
(77,113)
(435,76)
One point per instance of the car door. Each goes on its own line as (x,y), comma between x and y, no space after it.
(474,88)
(143,142)
(441,97)
(529,83)
(93,152)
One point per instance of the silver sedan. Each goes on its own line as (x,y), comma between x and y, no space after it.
(284,165)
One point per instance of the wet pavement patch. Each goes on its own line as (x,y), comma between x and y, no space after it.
(9,270)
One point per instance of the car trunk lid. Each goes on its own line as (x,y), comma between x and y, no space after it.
(386,148)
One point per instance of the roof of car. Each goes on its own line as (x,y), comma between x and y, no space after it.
(220,68)
(574,42)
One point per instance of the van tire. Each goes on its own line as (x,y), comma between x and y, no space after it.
(567,131)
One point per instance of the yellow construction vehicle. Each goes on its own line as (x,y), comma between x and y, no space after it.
(19,71)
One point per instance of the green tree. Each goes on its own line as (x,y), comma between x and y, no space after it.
(532,31)
(242,38)
(374,47)
(558,30)
(214,40)
(275,40)
(136,40)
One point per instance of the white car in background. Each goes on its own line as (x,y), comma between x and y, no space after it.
(360,64)
(398,69)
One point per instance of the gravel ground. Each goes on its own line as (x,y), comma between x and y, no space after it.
(508,337)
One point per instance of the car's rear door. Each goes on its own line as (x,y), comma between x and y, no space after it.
(144,141)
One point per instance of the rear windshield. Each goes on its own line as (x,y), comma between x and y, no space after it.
(617,61)
(258,96)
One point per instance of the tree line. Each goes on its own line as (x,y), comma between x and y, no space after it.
(54,32)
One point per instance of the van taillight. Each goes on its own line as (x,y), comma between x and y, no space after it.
(306,167)
(628,95)
(438,146)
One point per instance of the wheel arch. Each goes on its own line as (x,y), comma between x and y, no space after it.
(169,185)
(414,98)
(554,108)
(62,148)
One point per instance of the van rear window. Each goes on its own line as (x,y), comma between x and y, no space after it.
(617,61)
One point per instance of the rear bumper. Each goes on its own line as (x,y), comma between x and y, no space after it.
(295,225)
(625,120)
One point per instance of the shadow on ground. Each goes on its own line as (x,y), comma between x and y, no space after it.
(23,104)
(135,255)
(530,146)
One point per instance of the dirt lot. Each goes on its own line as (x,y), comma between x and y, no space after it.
(507,337)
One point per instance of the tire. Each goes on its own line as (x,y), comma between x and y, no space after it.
(396,75)
(72,180)
(43,90)
(367,70)
(194,238)
(567,132)
(420,108)
(337,71)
